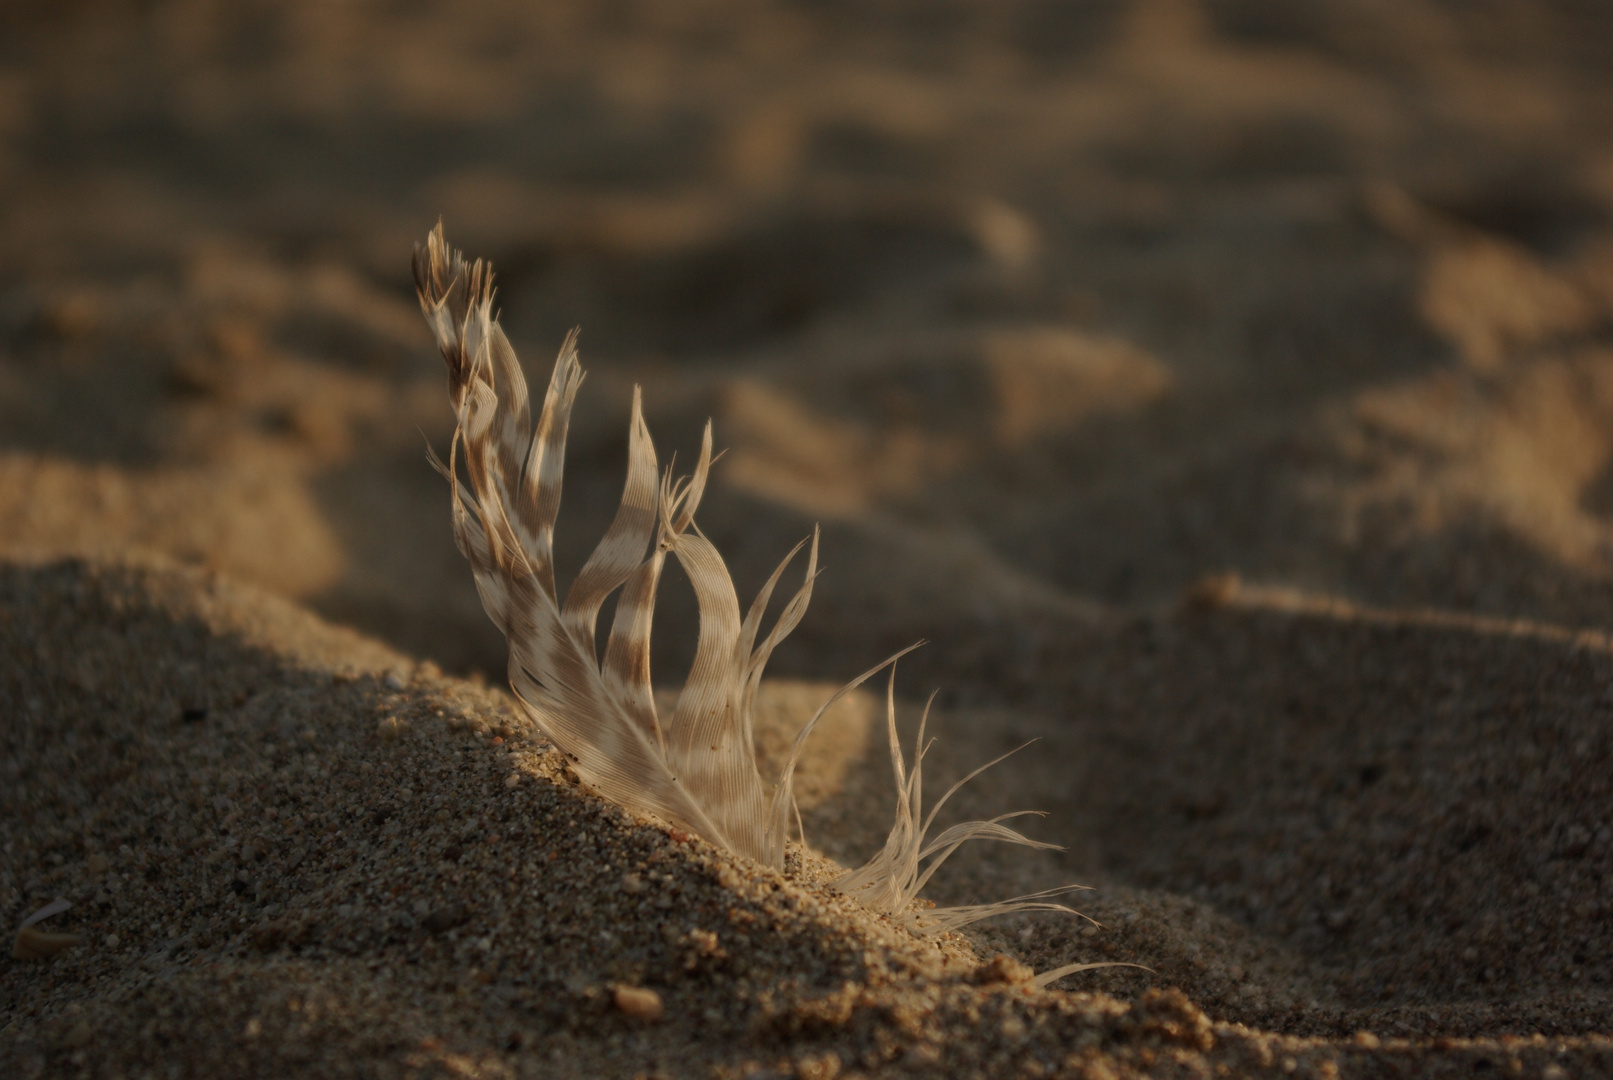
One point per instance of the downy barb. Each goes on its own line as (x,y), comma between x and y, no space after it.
(891,881)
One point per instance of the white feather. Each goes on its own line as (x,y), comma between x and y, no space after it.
(698,769)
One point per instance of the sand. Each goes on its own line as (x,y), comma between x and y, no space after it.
(1222,389)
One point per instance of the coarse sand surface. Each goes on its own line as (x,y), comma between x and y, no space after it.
(292,850)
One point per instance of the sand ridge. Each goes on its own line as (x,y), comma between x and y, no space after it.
(306,852)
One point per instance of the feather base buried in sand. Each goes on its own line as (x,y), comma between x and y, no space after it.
(696,768)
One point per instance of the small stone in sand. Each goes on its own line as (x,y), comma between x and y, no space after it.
(818,1066)
(922,1056)
(32,944)
(1212,591)
(639,1003)
(1002,969)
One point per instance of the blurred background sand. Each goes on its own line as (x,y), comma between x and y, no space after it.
(1224,388)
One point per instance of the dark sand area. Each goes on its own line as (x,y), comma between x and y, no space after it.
(1222,388)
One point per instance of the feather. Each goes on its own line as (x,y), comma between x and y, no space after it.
(698,770)
(55,907)
(1048,978)
(891,881)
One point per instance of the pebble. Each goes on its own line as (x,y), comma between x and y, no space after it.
(35,944)
(825,1066)
(639,1003)
(922,1056)
(1003,969)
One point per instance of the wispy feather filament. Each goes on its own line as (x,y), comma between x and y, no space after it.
(697,769)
